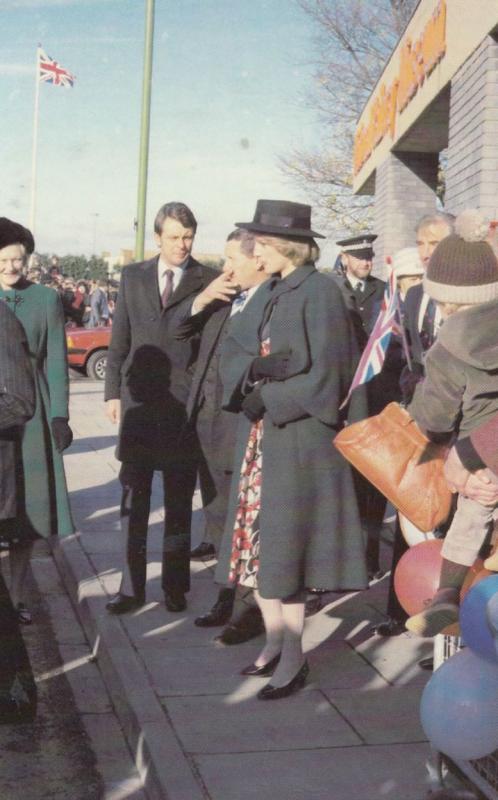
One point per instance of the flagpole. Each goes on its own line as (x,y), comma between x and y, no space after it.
(32,212)
(144,132)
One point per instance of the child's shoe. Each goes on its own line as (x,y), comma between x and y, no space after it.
(491,562)
(433,619)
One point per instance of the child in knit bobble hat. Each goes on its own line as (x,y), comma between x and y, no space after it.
(460,391)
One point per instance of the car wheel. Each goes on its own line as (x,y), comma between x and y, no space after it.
(95,366)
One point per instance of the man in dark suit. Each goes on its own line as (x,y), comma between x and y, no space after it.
(148,379)
(363,296)
(421,317)
(213,310)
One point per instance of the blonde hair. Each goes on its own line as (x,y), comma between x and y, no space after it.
(299,251)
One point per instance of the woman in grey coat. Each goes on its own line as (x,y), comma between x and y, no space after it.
(293,520)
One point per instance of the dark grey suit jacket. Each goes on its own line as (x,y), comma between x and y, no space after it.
(148,368)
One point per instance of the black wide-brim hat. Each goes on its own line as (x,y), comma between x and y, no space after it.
(14,233)
(281,218)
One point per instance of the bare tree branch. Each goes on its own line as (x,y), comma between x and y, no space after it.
(353,40)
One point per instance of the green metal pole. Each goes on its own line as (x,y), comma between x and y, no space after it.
(144,132)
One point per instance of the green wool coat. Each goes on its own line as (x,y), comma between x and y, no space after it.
(39,309)
(310,529)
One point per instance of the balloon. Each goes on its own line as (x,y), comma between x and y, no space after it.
(458,707)
(417,575)
(411,533)
(476,630)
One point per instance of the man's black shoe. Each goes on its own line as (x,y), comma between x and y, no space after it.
(123,603)
(219,615)
(375,574)
(391,627)
(175,601)
(313,604)
(203,550)
(247,627)
(426,663)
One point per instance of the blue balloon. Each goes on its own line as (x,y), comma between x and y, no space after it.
(459,706)
(476,630)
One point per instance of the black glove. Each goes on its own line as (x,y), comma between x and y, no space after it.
(275,365)
(62,433)
(253,406)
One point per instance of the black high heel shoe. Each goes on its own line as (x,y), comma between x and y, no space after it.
(264,671)
(270,692)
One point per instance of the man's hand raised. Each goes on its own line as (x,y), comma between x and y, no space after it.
(221,288)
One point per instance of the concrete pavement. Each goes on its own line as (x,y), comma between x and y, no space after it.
(193,723)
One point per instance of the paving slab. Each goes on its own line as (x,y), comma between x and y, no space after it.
(391,772)
(396,657)
(335,664)
(264,727)
(381,717)
(195,670)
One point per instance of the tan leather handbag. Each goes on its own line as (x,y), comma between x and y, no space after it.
(391,451)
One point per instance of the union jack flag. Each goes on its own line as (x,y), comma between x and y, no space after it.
(388,322)
(49,71)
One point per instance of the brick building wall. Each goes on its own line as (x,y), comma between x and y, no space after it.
(472,172)
(405,185)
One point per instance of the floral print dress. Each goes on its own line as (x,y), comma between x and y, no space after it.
(244,559)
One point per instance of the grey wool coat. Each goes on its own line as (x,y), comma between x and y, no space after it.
(310,533)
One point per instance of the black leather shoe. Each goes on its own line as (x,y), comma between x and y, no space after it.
(264,671)
(219,615)
(247,627)
(175,601)
(123,603)
(375,574)
(203,550)
(391,627)
(312,605)
(270,692)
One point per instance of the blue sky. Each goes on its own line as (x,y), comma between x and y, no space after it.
(229,80)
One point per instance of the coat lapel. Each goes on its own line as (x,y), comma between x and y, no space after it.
(370,288)
(151,284)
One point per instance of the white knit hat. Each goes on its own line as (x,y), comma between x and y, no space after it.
(407,262)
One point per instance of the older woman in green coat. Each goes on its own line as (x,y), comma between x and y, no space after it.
(293,521)
(45,500)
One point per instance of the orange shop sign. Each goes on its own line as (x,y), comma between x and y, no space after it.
(417,60)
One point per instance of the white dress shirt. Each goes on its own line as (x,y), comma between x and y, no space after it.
(239,304)
(162,266)
(421,314)
(356,282)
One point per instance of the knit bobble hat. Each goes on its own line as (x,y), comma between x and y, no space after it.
(463,268)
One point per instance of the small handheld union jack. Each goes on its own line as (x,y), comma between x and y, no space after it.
(49,71)
(374,354)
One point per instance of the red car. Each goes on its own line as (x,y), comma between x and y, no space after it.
(87,349)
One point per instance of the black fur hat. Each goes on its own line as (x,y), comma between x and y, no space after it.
(13,233)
